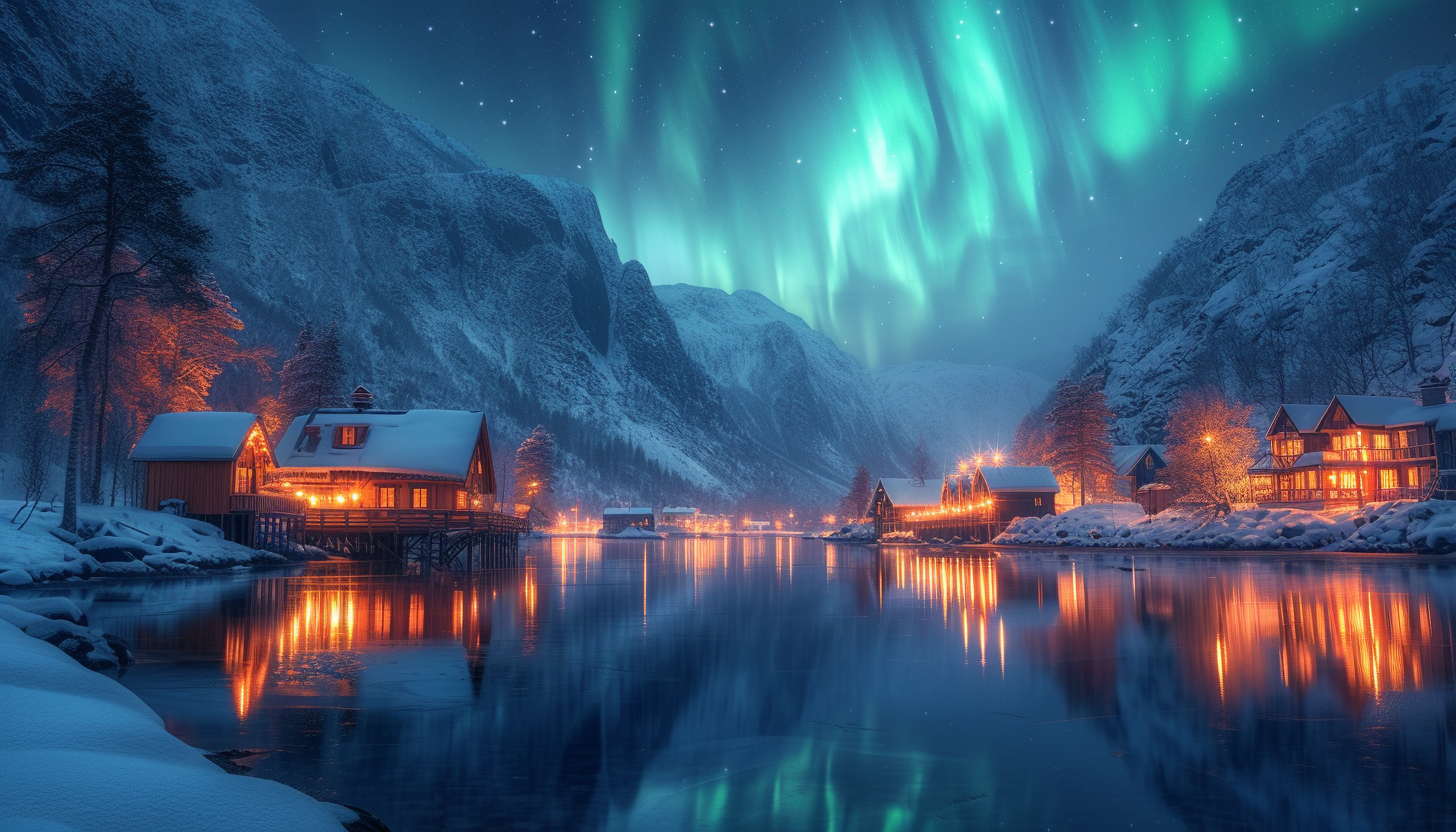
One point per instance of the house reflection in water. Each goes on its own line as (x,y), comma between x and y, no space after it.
(303,636)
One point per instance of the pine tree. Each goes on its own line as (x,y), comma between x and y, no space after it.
(1080,445)
(535,473)
(856,503)
(1210,449)
(116,230)
(314,376)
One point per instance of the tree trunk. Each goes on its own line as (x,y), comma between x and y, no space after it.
(80,398)
(98,437)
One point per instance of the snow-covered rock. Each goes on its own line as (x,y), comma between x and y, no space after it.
(854,533)
(80,752)
(113,541)
(633,533)
(1400,526)
(1290,238)
(60,622)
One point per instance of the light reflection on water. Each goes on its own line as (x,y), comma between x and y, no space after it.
(779,683)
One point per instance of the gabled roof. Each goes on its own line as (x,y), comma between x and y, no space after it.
(903,491)
(1378,411)
(1035,478)
(431,443)
(1127,457)
(1304,417)
(630,511)
(203,436)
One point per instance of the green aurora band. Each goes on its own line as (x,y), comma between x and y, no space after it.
(921,158)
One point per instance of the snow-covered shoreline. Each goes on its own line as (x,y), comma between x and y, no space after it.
(70,732)
(1400,526)
(113,542)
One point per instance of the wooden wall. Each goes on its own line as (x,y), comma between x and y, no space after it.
(204,485)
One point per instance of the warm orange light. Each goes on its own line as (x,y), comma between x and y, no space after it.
(354,497)
(1207,438)
(298,493)
(997,458)
(313,501)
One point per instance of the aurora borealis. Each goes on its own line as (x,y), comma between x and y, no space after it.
(970,181)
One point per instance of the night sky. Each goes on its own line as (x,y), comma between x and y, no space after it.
(976,182)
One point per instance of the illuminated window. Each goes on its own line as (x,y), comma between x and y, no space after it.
(388,496)
(1380,440)
(244,483)
(1413,477)
(350,436)
(1287,447)
(1389,478)
(1347,480)
(419,498)
(462,499)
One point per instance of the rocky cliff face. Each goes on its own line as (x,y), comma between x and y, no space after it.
(813,405)
(456,284)
(1329,266)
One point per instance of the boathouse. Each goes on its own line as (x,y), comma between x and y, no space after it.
(615,520)
(899,499)
(1007,492)
(1359,449)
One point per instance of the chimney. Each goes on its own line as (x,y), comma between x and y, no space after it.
(1433,391)
(362,399)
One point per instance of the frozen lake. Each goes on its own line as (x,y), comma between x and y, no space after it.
(785,684)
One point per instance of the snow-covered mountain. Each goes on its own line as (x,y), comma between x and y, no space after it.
(809,400)
(1326,267)
(456,284)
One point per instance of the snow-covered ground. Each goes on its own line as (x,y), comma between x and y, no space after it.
(81,752)
(1401,526)
(113,541)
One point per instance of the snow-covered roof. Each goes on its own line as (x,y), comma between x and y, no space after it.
(903,491)
(679,510)
(1126,457)
(431,443)
(1381,411)
(1309,458)
(1304,417)
(203,436)
(1033,478)
(633,511)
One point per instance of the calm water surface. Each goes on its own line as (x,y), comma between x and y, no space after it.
(785,684)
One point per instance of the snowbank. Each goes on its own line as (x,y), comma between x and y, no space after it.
(855,533)
(70,732)
(1401,526)
(60,622)
(633,533)
(112,541)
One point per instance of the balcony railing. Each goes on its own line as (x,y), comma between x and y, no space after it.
(1406,492)
(408,521)
(1427,451)
(266,503)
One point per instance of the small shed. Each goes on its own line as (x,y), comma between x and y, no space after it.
(1137,465)
(1016,491)
(203,458)
(616,519)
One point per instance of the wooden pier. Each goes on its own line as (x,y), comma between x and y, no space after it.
(433,539)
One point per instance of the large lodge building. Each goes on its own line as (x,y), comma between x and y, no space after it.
(1358,449)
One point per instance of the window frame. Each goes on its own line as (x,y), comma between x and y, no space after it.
(392,491)
(415,496)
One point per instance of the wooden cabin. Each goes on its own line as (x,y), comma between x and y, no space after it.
(1360,449)
(1136,468)
(899,499)
(389,460)
(205,459)
(615,520)
(1014,491)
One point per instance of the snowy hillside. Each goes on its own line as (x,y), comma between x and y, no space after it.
(1327,267)
(957,407)
(785,382)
